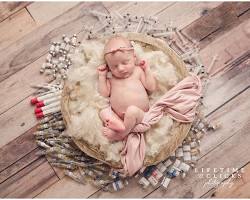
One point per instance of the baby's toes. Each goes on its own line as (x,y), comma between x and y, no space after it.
(104,131)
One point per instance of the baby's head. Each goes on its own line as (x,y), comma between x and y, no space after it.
(120,56)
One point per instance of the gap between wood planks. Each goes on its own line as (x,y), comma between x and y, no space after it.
(32,179)
(30,14)
(14,28)
(17,149)
(43,12)
(10,8)
(219,107)
(10,170)
(221,19)
(28,19)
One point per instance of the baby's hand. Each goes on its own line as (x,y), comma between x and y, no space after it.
(143,64)
(102,70)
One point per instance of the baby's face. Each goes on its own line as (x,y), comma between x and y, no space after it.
(121,63)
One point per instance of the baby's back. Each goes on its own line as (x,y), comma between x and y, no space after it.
(127,92)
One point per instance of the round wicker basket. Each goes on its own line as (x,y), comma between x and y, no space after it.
(178,131)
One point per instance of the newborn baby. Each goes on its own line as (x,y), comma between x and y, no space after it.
(127,88)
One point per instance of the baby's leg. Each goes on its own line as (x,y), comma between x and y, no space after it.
(112,120)
(133,116)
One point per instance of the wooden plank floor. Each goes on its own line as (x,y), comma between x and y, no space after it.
(221,28)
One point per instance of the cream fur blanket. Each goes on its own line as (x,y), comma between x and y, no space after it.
(85,102)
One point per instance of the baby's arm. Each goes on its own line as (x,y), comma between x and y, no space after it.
(103,82)
(147,78)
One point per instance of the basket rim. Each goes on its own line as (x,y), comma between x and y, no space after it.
(178,128)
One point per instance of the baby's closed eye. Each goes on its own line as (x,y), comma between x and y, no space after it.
(126,62)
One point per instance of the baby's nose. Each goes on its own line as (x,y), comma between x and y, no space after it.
(121,68)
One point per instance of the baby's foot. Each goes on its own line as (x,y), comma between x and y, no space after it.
(111,135)
(112,122)
(115,124)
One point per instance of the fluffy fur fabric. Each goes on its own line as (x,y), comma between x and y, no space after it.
(85,101)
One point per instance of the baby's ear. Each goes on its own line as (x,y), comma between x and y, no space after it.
(136,59)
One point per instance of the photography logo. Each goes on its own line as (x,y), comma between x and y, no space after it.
(219,176)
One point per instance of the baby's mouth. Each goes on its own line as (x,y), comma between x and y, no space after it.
(124,73)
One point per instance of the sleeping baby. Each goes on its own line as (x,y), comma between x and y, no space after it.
(128,88)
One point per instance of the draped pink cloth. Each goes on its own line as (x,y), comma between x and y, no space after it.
(179,102)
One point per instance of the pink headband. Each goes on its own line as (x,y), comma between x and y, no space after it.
(119,49)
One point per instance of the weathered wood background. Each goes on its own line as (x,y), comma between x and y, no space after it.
(26,29)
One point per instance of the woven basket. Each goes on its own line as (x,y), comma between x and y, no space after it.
(178,131)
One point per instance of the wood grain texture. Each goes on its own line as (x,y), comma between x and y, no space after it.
(30,181)
(218,21)
(18,87)
(67,188)
(225,87)
(35,44)
(239,188)
(27,19)
(183,13)
(17,149)
(111,6)
(18,165)
(9,8)
(229,125)
(231,153)
(135,8)
(228,47)
(16,121)
(15,27)
(43,12)
(133,190)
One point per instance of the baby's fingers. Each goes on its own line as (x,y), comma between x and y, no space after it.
(143,64)
(102,67)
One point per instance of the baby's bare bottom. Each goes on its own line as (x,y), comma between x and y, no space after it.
(117,131)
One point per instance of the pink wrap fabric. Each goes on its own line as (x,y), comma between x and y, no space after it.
(179,102)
